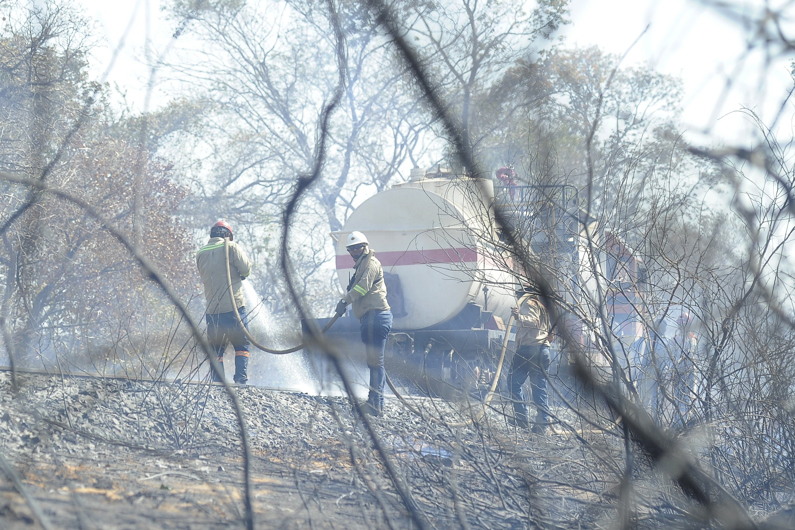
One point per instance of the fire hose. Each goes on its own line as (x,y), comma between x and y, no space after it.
(240,321)
(477,417)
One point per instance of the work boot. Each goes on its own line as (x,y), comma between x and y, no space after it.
(518,422)
(219,377)
(541,424)
(241,368)
(372,406)
(519,415)
(368,409)
(376,394)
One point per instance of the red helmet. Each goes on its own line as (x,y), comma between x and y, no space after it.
(506,171)
(221,224)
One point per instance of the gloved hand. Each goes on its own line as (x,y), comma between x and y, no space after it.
(341,307)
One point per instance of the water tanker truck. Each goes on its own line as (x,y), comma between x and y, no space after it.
(449,287)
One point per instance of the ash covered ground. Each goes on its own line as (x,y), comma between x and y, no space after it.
(108,453)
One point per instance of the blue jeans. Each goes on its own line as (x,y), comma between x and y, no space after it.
(375,326)
(223,328)
(530,361)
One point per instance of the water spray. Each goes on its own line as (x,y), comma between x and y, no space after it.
(240,321)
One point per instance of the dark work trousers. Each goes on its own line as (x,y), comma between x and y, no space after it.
(223,328)
(529,361)
(375,326)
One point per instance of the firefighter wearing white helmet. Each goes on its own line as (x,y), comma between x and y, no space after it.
(366,292)
(356,238)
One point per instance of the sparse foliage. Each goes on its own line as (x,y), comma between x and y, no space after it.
(301,109)
(68,286)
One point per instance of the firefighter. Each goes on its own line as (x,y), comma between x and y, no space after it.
(651,350)
(222,325)
(685,388)
(366,292)
(507,177)
(530,360)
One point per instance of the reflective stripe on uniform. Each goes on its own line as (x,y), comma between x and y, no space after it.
(241,353)
(359,289)
(209,247)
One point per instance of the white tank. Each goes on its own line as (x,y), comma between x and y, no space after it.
(436,233)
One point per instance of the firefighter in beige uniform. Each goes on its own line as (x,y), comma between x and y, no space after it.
(222,324)
(367,294)
(530,360)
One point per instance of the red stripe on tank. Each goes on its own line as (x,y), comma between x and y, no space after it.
(416,257)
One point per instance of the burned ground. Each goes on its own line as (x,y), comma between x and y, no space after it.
(124,454)
(108,453)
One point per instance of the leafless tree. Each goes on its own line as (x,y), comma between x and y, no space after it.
(302,125)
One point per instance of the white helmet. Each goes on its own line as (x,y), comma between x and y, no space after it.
(356,238)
